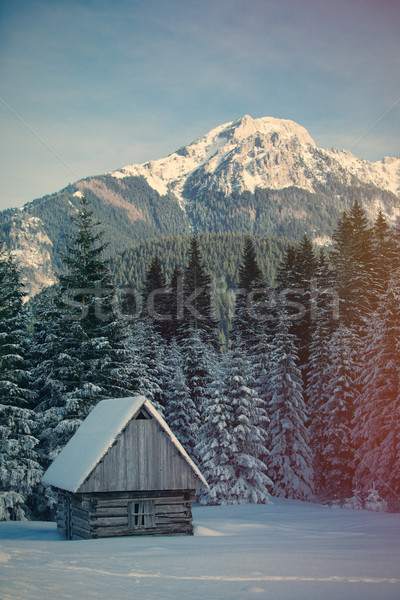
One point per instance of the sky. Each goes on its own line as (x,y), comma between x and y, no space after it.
(90,86)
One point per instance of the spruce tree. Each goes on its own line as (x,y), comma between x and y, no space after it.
(148,362)
(174,326)
(197,310)
(376,423)
(324,322)
(214,448)
(337,413)
(295,280)
(249,432)
(252,301)
(290,459)
(353,259)
(20,470)
(199,361)
(386,255)
(155,300)
(79,338)
(232,444)
(180,410)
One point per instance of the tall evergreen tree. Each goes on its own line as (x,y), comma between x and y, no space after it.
(233,436)
(386,255)
(80,338)
(197,310)
(253,300)
(199,362)
(353,259)
(20,470)
(180,411)
(174,325)
(295,280)
(290,460)
(155,300)
(324,312)
(337,413)
(376,418)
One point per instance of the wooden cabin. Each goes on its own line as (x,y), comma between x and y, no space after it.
(124,473)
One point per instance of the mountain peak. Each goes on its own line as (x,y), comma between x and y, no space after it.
(248,126)
(264,152)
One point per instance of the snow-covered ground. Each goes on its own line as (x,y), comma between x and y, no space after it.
(287,550)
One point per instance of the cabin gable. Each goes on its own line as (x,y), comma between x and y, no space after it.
(143,457)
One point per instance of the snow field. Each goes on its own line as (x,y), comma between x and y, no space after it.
(284,551)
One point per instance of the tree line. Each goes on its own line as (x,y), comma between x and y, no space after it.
(300,400)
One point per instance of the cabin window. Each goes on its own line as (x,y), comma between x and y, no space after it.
(141,514)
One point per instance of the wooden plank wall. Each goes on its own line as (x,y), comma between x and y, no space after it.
(142,458)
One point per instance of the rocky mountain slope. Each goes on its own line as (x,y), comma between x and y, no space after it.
(266,153)
(264,176)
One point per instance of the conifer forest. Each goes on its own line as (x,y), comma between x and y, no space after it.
(280,379)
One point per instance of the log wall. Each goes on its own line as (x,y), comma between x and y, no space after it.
(87,516)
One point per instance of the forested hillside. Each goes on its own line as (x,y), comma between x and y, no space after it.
(221,253)
(297,394)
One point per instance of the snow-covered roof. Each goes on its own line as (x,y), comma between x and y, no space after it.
(96,435)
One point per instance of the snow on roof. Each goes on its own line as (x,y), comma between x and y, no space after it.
(95,436)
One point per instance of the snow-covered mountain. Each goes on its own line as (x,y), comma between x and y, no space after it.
(259,153)
(265,176)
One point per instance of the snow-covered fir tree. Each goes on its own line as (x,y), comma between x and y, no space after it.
(324,321)
(148,360)
(337,413)
(290,459)
(79,355)
(199,360)
(353,257)
(180,411)
(373,501)
(233,436)
(376,418)
(215,447)
(20,470)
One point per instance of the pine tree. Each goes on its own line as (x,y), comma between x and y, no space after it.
(78,339)
(198,366)
(386,254)
(249,432)
(215,449)
(337,413)
(295,279)
(324,321)
(252,301)
(154,298)
(197,310)
(20,470)
(180,411)
(290,460)
(232,443)
(354,266)
(376,423)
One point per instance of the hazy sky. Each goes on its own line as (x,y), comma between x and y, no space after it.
(90,86)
